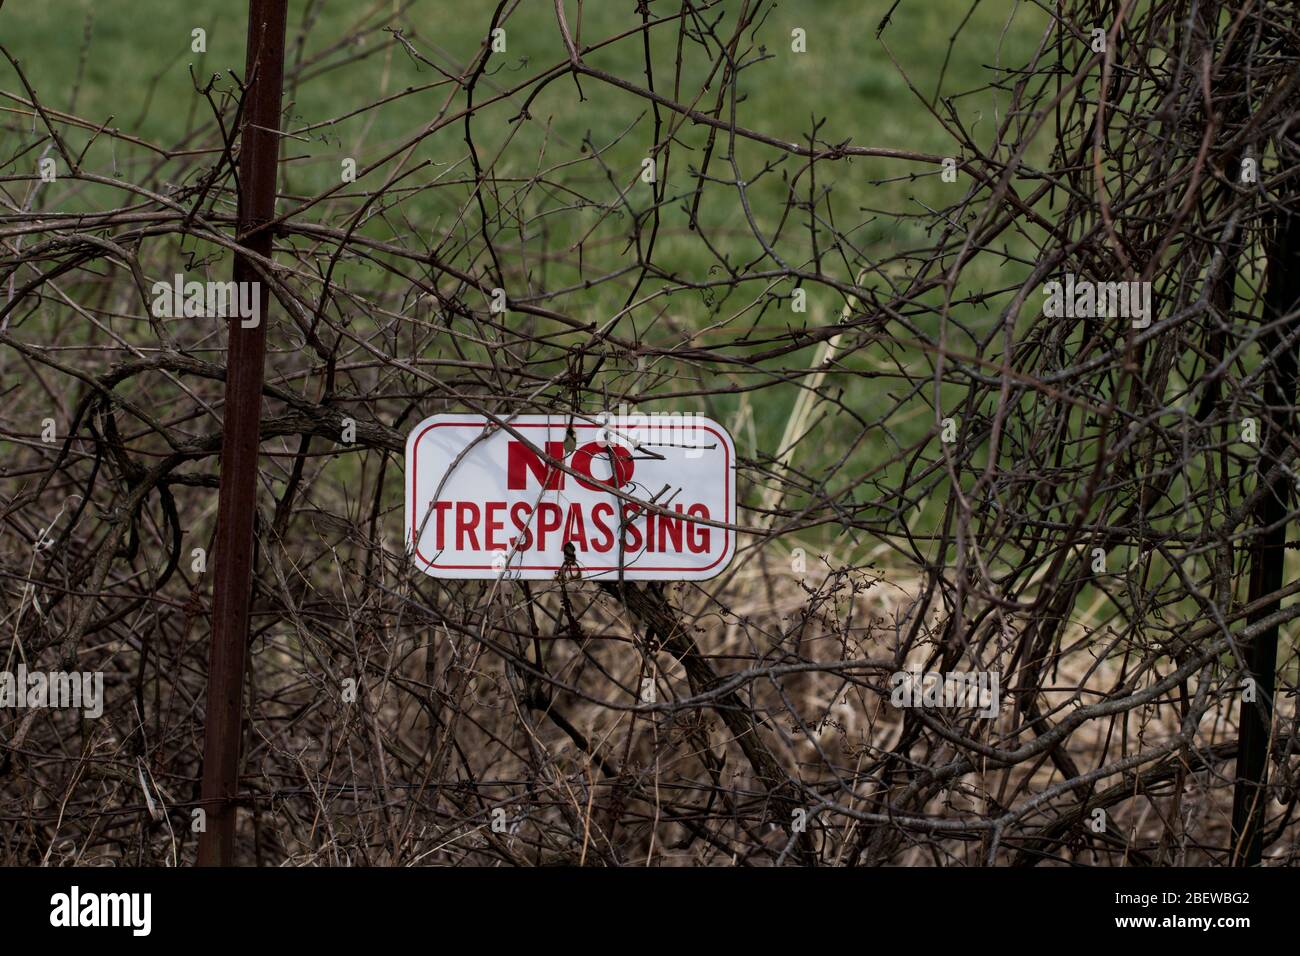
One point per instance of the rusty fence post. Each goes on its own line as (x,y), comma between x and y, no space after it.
(1268,553)
(233,562)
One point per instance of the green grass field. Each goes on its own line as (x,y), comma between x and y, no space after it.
(130,66)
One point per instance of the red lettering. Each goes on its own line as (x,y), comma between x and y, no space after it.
(670,528)
(604,508)
(521,459)
(520,513)
(438,508)
(551,509)
(493,525)
(621,465)
(697,535)
(574,531)
(631,533)
(466,519)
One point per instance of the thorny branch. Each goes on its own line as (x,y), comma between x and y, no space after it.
(936,473)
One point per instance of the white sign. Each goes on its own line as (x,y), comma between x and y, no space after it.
(482,500)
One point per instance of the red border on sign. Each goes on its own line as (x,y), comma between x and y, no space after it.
(415,460)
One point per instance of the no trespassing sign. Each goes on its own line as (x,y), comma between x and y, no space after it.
(483,501)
